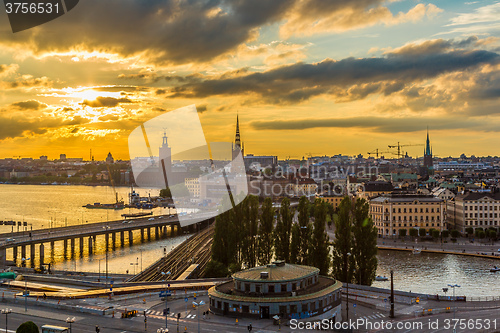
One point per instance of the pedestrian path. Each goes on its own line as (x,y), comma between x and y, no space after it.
(374,316)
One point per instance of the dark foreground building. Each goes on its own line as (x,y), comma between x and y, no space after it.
(278,289)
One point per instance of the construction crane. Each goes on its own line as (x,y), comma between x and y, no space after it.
(113,185)
(399,146)
(376,152)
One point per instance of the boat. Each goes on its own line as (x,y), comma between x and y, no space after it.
(97,205)
(137,214)
(381,278)
(416,251)
(495,269)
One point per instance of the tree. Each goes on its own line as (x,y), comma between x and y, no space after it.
(224,246)
(305,230)
(455,233)
(481,234)
(422,232)
(165,193)
(266,229)
(342,245)
(435,233)
(413,232)
(294,244)
(469,231)
(250,208)
(492,234)
(477,231)
(445,233)
(320,244)
(215,269)
(402,233)
(282,231)
(365,243)
(28,327)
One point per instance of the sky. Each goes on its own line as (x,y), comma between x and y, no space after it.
(319,77)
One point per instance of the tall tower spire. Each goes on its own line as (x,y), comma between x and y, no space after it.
(428,144)
(428,163)
(237,140)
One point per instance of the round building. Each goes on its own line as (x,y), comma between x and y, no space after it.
(278,289)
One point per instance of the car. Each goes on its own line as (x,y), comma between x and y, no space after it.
(160,217)
(498,250)
(10,240)
(125,221)
(151,219)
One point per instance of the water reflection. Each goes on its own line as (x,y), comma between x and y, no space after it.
(429,273)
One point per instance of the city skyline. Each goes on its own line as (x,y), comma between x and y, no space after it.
(338,78)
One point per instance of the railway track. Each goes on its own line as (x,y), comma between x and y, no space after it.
(194,250)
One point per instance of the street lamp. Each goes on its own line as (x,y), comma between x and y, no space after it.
(454,299)
(25,287)
(6,312)
(135,264)
(165,275)
(107,227)
(70,321)
(347,307)
(198,307)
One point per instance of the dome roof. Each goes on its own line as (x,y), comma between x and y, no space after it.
(277,271)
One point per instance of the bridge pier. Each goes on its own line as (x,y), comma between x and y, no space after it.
(32,254)
(42,255)
(80,243)
(122,238)
(157,233)
(73,252)
(149,233)
(23,255)
(14,254)
(113,240)
(142,235)
(65,242)
(106,237)
(90,245)
(130,237)
(3,256)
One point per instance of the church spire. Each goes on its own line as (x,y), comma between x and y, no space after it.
(428,150)
(237,140)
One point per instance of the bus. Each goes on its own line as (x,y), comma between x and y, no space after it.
(54,329)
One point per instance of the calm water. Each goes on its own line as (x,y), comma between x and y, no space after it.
(429,273)
(45,206)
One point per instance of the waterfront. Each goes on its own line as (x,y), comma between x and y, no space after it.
(430,272)
(52,206)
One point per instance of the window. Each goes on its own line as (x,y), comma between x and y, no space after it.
(432,210)
(399,210)
(426,210)
(283,309)
(270,288)
(247,287)
(245,309)
(283,288)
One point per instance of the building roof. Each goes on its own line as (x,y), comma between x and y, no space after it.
(378,186)
(277,272)
(473,196)
(406,198)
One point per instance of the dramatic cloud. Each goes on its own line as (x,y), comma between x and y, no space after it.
(319,16)
(16,126)
(162,30)
(299,82)
(181,32)
(378,124)
(109,102)
(29,105)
